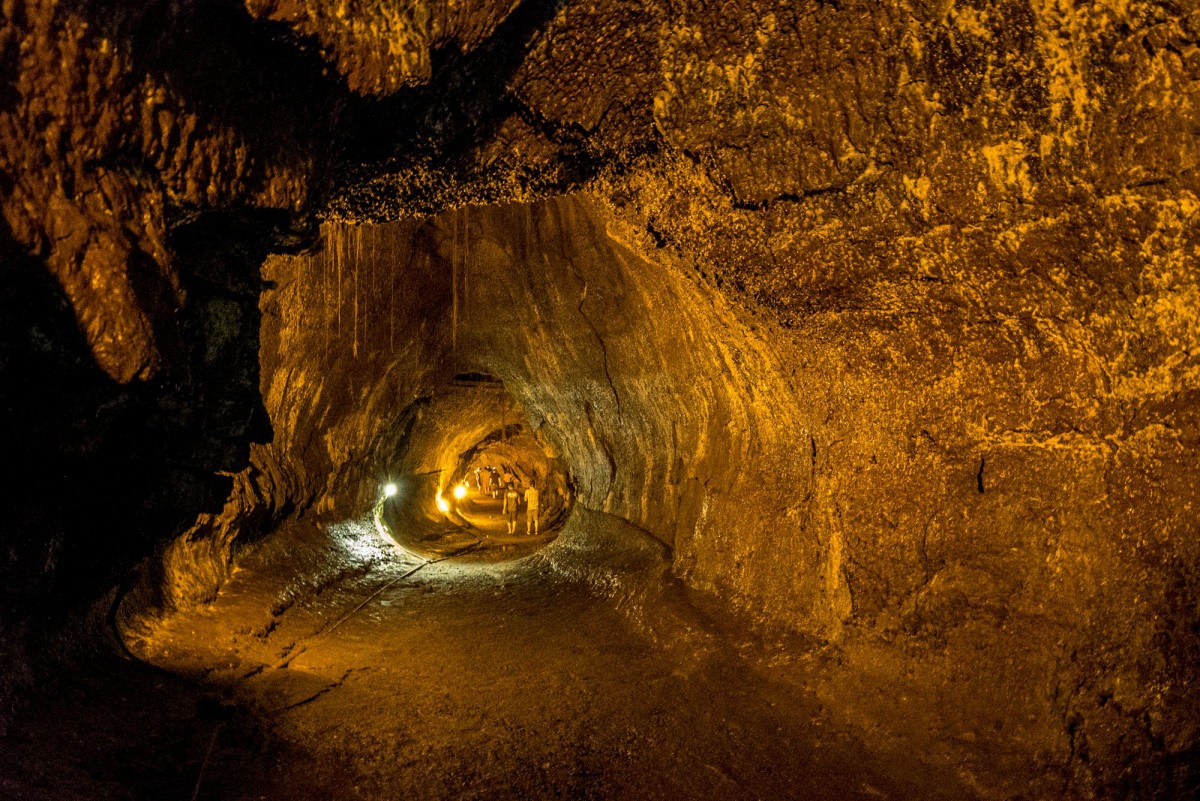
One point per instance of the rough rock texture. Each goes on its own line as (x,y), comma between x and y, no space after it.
(915,282)
(800,477)
(381,47)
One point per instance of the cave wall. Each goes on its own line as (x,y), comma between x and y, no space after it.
(668,408)
(955,495)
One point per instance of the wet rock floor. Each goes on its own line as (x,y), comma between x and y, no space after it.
(521,680)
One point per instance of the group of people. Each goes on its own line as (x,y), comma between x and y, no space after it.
(495,483)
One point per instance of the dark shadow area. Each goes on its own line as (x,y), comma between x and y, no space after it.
(101,473)
(109,468)
(458,109)
(448,120)
(137,733)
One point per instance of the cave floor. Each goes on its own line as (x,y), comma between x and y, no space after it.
(519,680)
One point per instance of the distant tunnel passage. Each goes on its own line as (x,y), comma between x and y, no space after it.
(504,495)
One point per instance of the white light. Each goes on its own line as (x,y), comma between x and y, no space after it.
(460,491)
(389,490)
(443,505)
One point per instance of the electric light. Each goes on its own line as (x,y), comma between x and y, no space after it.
(389,490)
(443,505)
(460,491)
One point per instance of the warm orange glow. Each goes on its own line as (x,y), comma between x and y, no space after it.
(460,491)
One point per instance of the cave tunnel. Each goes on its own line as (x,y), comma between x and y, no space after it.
(773,399)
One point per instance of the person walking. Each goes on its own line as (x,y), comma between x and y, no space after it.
(531,510)
(510,508)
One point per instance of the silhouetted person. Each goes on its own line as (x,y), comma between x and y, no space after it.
(531,510)
(510,508)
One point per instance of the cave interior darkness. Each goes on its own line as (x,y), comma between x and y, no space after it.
(853,348)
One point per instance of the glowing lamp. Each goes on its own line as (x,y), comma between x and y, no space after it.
(389,490)
(443,505)
(460,491)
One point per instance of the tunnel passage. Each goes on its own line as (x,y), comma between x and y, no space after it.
(662,404)
(823,483)
(466,448)
(546,340)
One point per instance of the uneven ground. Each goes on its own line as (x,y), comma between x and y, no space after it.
(519,680)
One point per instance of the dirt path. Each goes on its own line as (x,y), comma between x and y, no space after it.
(571,674)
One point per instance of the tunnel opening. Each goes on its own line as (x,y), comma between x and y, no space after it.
(502,497)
